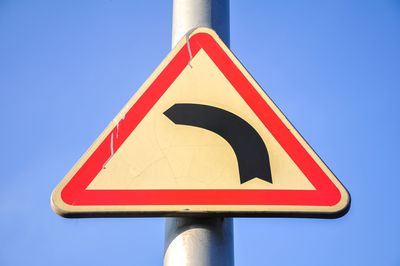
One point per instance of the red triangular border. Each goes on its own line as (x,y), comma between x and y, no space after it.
(326,194)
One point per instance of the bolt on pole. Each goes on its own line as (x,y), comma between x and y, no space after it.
(199,241)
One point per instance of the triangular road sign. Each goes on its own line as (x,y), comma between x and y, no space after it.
(200,137)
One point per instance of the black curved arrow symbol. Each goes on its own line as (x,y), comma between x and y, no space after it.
(249,148)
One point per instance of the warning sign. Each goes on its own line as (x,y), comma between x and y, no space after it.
(200,137)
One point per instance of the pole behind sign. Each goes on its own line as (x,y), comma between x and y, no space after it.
(190,240)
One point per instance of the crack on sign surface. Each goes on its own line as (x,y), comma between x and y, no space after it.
(112,139)
(187,36)
(111,149)
(163,152)
(117,125)
(189,50)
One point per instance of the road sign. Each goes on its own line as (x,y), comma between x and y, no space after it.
(200,137)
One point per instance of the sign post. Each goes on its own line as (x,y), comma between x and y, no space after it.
(189,240)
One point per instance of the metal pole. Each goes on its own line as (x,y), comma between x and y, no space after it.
(189,240)
(189,14)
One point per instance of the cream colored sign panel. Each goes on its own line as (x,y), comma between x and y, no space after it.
(182,157)
(146,164)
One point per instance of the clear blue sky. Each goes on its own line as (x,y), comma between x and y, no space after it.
(67,67)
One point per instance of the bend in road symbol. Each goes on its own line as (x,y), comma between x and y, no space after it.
(250,150)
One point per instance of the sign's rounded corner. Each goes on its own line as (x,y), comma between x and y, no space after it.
(342,207)
(58,205)
(203,29)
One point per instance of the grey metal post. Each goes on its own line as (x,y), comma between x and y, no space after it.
(189,240)
(189,14)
